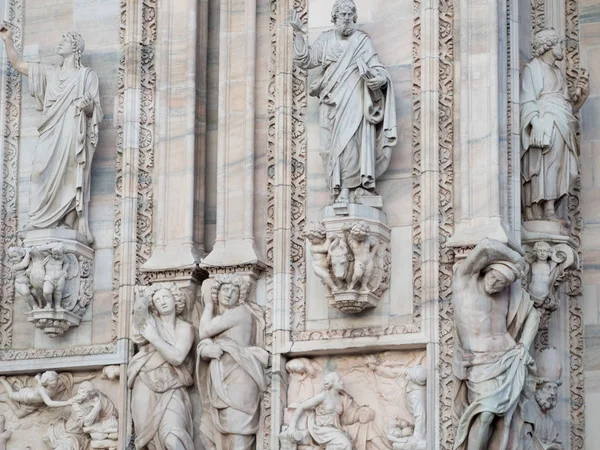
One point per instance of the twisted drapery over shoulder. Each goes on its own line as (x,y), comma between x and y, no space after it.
(60,179)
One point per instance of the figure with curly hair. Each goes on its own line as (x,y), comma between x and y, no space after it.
(320,244)
(160,373)
(363,249)
(549,151)
(356,102)
(230,365)
(20,258)
(68,96)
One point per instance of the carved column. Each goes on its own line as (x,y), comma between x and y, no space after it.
(178,242)
(482,165)
(234,245)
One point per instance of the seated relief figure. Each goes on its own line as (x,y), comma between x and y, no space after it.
(356,98)
(230,365)
(549,127)
(93,420)
(160,373)
(68,96)
(335,421)
(493,334)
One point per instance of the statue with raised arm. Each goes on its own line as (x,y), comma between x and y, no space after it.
(493,334)
(230,365)
(68,97)
(549,152)
(356,98)
(160,373)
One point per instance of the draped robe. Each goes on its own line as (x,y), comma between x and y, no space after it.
(60,178)
(358,126)
(160,390)
(548,172)
(493,382)
(231,391)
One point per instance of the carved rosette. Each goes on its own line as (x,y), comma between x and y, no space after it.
(54,276)
(351,255)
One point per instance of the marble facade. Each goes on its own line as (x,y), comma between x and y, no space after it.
(234,290)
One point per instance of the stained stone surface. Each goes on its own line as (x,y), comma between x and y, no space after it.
(208,168)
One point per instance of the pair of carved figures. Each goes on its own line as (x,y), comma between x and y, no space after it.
(351,260)
(93,420)
(550,149)
(229,368)
(52,281)
(494,333)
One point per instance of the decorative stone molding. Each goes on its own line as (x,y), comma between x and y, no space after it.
(10,120)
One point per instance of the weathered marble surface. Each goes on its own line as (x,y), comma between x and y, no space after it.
(378,381)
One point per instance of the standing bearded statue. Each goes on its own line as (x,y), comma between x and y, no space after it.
(548,128)
(357,108)
(68,96)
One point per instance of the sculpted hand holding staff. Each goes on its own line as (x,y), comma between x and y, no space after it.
(68,97)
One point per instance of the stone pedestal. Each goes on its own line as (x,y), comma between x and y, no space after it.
(55,277)
(352,302)
(544,230)
(356,242)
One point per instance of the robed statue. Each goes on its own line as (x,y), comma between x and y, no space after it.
(67,95)
(550,149)
(357,108)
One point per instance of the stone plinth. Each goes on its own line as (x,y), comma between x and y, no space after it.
(54,276)
(352,302)
(351,255)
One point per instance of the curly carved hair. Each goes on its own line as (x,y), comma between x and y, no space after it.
(544,40)
(316,230)
(541,245)
(15,253)
(360,229)
(234,279)
(77,45)
(339,4)
(173,289)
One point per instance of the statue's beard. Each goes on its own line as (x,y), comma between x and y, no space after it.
(546,403)
(345,29)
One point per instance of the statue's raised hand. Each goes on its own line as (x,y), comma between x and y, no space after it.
(294,20)
(5,33)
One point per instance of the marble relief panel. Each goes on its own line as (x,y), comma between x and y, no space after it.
(77,410)
(378,381)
